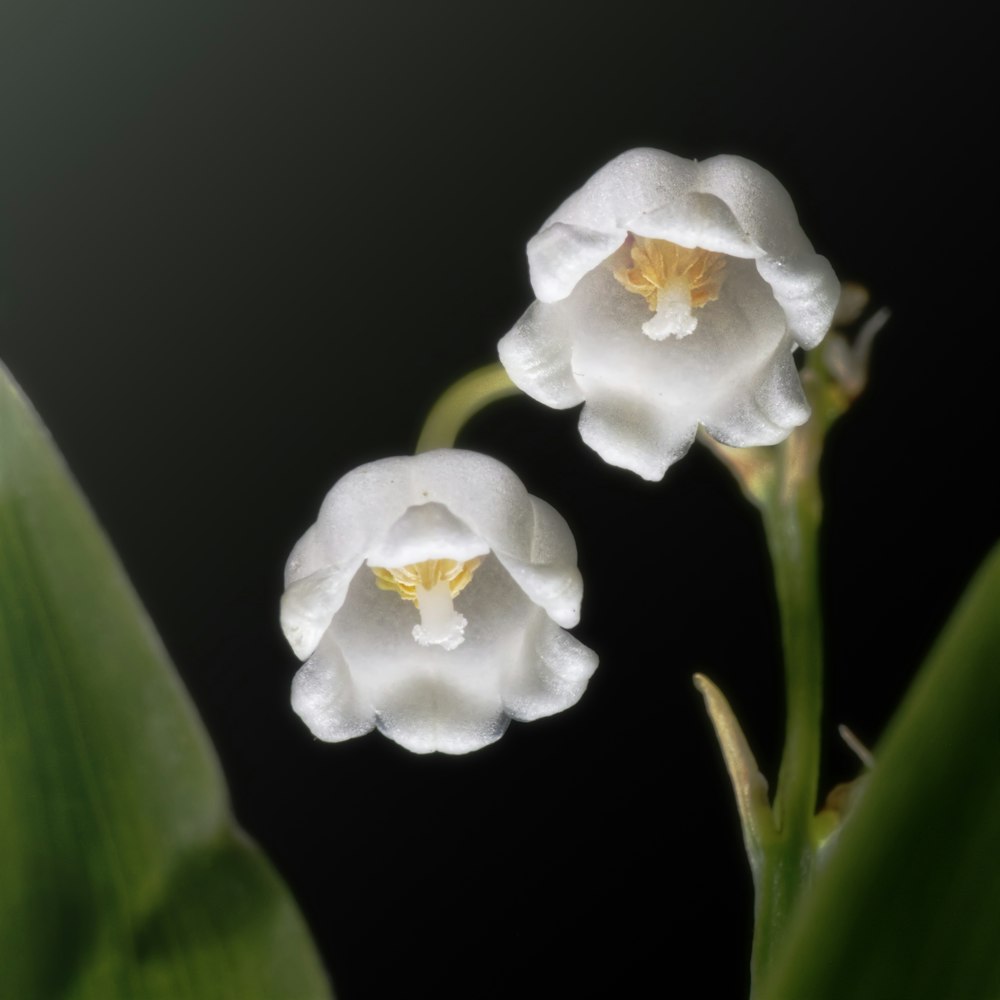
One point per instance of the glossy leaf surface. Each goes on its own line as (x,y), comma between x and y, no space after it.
(908,906)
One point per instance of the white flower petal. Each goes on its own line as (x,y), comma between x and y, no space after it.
(632,185)
(656,342)
(375,662)
(697,220)
(360,511)
(428,531)
(427,698)
(537,353)
(549,576)
(766,412)
(482,492)
(425,717)
(807,290)
(326,699)
(735,336)
(309,604)
(632,435)
(552,676)
(305,559)
(562,254)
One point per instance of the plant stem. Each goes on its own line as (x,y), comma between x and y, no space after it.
(460,402)
(792,511)
(783,483)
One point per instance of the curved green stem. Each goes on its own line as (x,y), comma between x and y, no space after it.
(462,401)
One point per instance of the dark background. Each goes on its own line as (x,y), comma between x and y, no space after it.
(244,246)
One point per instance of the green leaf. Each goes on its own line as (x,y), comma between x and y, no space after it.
(908,906)
(123,872)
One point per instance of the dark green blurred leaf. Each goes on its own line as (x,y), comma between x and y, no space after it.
(122,873)
(908,907)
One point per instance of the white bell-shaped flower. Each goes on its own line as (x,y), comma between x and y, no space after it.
(429,600)
(672,293)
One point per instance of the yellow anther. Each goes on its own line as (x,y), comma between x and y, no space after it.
(426,575)
(659,266)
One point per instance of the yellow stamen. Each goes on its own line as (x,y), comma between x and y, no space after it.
(426,575)
(659,264)
(432,585)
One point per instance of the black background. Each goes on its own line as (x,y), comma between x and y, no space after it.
(244,246)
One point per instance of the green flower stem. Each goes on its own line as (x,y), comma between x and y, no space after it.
(462,401)
(791,507)
(792,526)
(783,483)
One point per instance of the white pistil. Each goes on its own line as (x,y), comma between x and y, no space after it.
(674,281)
(674,316)
(432,586)
(440,624)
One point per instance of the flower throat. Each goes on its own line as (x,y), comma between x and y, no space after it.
(432,586)
(674,281)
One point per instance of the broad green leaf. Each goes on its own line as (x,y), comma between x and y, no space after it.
(908,907)
(122,873)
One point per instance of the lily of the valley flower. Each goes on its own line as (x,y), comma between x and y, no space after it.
(671,293)
(429,600)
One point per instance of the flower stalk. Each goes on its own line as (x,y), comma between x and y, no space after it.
(462,401)
(792,513)
(783,482)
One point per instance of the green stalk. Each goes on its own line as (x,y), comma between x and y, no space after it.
(462,401)
(782,481)
(792,513)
